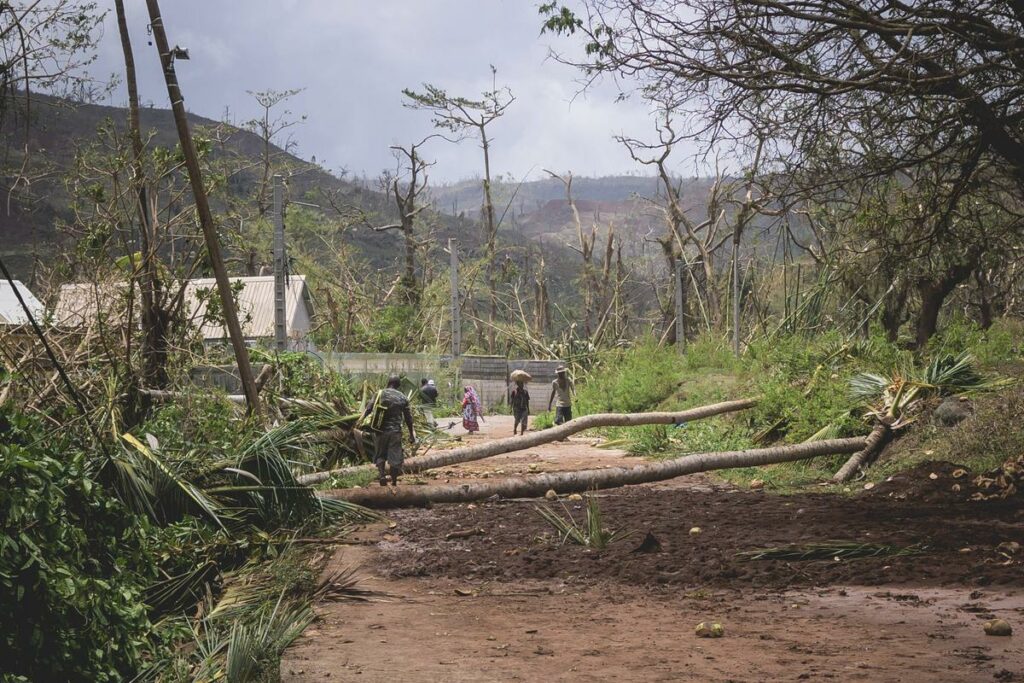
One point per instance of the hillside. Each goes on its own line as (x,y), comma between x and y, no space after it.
(54,129)
(540,209)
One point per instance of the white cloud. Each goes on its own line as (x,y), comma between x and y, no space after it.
(354,57)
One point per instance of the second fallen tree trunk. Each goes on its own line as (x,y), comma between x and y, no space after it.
(534,439)
(535,486)
(873,445)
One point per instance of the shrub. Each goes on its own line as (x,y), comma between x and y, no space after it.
(630,381)
(72,568)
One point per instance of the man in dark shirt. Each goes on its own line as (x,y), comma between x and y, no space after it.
(388,433)
(429,392)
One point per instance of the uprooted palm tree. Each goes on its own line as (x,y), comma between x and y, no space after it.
(895,400)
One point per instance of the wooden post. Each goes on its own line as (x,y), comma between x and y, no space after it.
(203,208)
(456,322)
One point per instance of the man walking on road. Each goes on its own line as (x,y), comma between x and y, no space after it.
(561,388)
(387,411)
(429,392)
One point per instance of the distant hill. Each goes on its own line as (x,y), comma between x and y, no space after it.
(540,209)
(54,128)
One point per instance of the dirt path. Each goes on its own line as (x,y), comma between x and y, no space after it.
(506,603)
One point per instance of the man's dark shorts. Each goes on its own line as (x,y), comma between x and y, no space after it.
(388,446)
(563,415)
(521,416)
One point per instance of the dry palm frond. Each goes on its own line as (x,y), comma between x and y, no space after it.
(342,585)
(831,550)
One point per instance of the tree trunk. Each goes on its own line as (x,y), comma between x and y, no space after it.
(873,444)
(203,208)
(155,321)
(933,292)
(586,480)
(518,443)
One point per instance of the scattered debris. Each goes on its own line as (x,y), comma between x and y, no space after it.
(650,544)
(998,627)
(465,533)
(1002,482)
(707,629)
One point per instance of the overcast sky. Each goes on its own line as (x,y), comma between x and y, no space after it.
(353,57)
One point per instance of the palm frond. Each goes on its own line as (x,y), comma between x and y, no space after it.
(867,386)
(170,490)
(181,592)
(831,550)
(832,430)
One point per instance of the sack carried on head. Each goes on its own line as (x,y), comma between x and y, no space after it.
(520,376)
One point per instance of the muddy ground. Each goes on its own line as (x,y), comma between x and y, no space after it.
(503,600)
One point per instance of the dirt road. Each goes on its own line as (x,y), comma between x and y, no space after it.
(501,600)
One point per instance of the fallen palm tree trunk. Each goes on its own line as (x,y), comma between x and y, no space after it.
(535,486)
(873,444)
(532,440)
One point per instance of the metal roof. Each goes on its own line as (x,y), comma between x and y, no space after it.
(78,304)
(11,312)
(255,304)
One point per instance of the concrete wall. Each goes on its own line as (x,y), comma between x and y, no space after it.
(487,374)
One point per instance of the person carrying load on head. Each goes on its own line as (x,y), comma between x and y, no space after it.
(519,400)
(562,389)
(386,413)
(428,390)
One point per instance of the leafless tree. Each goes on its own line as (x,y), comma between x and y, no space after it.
(462,116)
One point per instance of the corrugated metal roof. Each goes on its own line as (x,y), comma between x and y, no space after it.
(255,304)
(78,304)
(11,312)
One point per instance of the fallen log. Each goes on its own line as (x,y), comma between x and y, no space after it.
(873,444)
(534,439)
(535,486)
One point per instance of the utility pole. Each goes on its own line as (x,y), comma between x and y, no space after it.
(280,268)
(195,178)
(680,323)
(453,250)
(736,292)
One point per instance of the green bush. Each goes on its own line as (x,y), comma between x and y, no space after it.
(630,381)
(72,568)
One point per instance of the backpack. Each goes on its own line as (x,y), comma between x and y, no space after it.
(378,412)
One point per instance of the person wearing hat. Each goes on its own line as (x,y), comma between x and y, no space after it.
(390,408)
(561,389)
